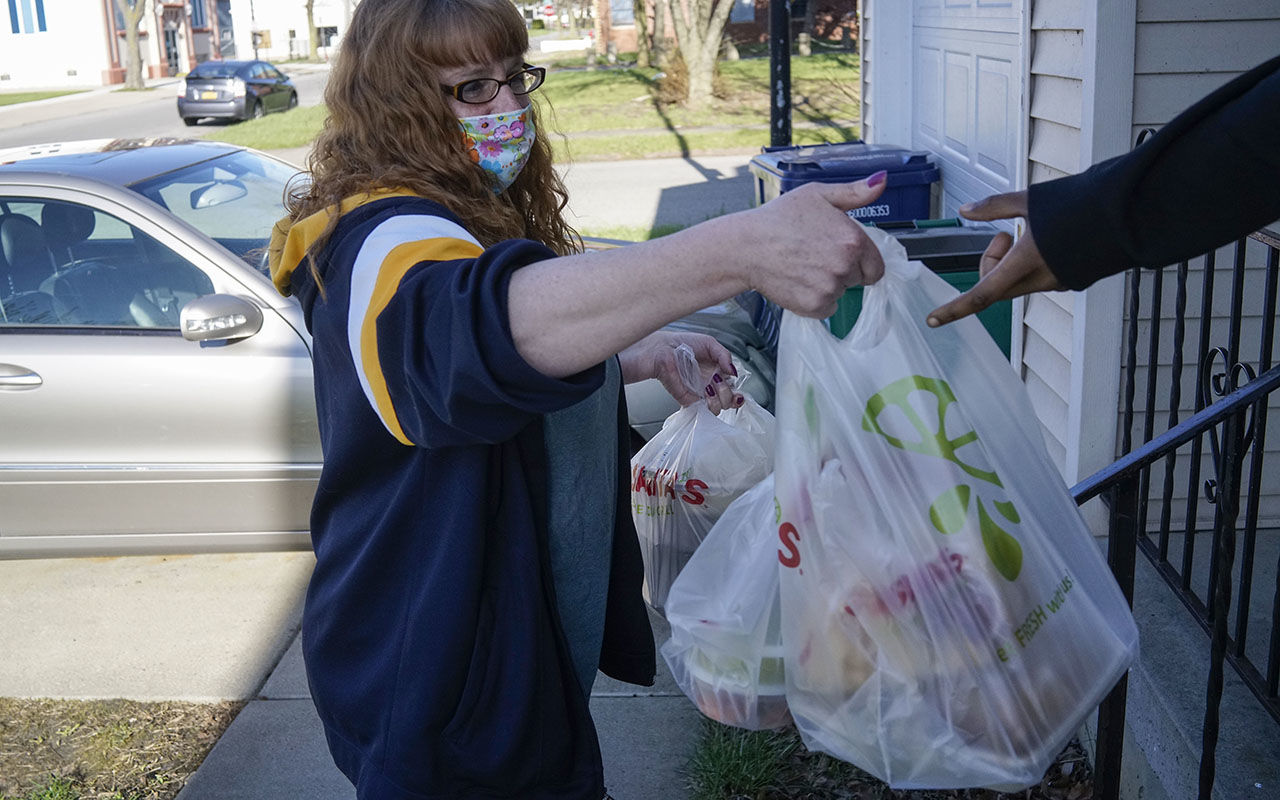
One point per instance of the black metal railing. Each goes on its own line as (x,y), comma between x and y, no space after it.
(1231,393)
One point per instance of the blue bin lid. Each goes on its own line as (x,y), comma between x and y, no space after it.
(846,161)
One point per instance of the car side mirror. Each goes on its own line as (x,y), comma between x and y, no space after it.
(219,317)
(217,193)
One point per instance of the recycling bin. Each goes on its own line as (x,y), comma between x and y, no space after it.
(908,193)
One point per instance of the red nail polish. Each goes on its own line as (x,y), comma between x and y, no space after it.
(740,400)
(710,391)
(877,178)
(716,378)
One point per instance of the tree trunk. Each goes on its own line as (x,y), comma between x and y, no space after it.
(702,73)
(312,31)
(699,28)
(641,11)
(132,13)
(660,11)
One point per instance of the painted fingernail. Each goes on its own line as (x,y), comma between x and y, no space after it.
(740,400)
(711,392)
(733,368)
(877,178)
(716,377)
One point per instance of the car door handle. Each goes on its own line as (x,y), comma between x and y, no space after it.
(17,378)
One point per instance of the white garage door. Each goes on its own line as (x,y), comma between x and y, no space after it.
(967,68)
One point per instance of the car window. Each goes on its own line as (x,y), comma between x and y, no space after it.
(275,74)
(234,200)
(214,70)
(257,71)
(66,265)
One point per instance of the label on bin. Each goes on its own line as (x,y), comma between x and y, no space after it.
(867,212)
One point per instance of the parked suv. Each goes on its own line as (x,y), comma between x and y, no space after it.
(234,90)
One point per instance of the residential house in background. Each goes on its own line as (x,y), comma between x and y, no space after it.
(81,43)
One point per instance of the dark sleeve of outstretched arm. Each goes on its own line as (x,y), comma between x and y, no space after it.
(1212,175)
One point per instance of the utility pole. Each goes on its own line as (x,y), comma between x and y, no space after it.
(780,73)
(253,30)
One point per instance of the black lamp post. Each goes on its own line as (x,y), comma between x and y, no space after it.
(780,73)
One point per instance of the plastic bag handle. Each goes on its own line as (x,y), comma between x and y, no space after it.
(687,366)
(871,326)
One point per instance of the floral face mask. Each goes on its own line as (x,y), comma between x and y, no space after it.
(500,143)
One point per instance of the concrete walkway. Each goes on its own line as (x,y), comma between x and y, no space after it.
(276,748)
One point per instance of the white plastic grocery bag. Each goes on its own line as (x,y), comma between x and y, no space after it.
(685,477)
(725,650)
(948,620)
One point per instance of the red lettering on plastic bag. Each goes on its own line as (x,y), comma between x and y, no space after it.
(692,496)
(790,537)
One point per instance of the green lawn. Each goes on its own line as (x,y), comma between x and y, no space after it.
(613,113)
(287,129)
(10,98)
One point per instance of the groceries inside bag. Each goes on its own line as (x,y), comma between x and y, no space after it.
(947,618)
(725,650)
(685,477)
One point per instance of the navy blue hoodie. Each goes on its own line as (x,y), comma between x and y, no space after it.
(433,647)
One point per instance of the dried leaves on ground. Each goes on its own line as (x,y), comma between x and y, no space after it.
(105,749)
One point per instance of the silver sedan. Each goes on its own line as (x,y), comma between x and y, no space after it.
(155,390)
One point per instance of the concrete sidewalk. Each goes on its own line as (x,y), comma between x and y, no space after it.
(276,747)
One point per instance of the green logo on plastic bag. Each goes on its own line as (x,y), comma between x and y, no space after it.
(949,513)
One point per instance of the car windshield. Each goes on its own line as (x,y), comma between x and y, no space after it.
(222,70)
(234,199)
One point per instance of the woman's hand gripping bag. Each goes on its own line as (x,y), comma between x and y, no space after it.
(725,650)
(947,618)
(685,477)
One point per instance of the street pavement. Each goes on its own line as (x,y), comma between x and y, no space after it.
(225,626)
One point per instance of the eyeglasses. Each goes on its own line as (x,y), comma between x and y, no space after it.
(482,90)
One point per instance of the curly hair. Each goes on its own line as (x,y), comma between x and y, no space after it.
(389,126)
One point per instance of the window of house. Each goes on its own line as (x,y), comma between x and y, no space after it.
(26,16)
(199,14)
(743,11)
(622,12)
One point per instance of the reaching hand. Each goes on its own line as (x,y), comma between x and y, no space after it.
(654,356)
(1008,269)
(813,252)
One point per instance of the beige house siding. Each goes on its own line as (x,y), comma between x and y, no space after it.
(1054,145)
(1188,48)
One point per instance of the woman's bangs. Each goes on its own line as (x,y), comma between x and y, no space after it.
(476,35)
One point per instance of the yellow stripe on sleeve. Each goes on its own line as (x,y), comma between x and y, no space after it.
(399,261)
